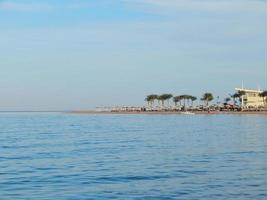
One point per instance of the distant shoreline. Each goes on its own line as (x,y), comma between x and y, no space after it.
(167,112)
(92,112)
(31,111)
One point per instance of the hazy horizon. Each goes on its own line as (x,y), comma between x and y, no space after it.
(65,55)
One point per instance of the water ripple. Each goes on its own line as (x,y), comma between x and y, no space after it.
(59,156)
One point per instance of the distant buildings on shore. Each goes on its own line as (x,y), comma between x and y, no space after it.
(247,98)
(251,98)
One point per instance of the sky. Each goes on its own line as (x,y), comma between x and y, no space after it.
(80,54)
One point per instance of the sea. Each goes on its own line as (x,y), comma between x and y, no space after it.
(58,156)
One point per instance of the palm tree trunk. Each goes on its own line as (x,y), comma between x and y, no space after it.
(207,103)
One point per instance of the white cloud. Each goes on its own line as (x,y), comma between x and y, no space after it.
(25,7)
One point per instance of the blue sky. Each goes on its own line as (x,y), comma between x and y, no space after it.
(78,54)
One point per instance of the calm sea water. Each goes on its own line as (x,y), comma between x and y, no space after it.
(60,156)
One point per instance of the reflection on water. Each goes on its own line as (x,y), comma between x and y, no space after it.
(48,156)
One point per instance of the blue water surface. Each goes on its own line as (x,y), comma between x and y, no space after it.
(66,156)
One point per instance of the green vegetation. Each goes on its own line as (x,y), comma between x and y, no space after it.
(176,99)
(193,99)
(164,97)
(235,96)
(151,99)
(264,96)
(207,97)
(227,100)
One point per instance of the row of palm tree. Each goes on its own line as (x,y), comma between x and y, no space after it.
(264,96)
(186,99)
(160,98)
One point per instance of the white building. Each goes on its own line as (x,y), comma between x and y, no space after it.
(251,98)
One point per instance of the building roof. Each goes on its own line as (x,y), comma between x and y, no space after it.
(248,90)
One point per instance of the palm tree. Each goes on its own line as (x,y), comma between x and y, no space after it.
(153,98)
(207,97)
(235,96)
(158,99)
(176,99)
(186,98)
(169,96)
(264,95)
(183,97)
(227,100)
(193,98)
(150,99)
(163,98)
